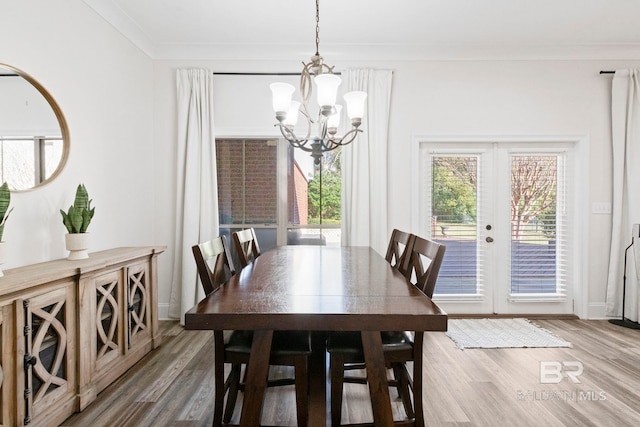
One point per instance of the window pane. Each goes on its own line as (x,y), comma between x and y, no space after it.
(454,205)
(247,187)
(52,155)
(18,166)
(533,223)
(314,191)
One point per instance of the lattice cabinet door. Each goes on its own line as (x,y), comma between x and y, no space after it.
(139,290)
(49,355)
(109,333)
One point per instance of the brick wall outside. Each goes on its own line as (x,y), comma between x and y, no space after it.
(300,195)
(260,187)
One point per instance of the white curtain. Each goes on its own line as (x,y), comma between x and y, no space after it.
(625,126)
(197,187)
(364,164)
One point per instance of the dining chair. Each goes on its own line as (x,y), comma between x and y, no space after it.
(421,264)
(246,245)
(234,347)
(399,245)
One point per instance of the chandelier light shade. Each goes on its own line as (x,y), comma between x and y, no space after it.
(318,76)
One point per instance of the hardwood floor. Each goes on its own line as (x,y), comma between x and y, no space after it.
(173,385)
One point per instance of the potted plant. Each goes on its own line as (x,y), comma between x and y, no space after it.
(76,220)
(5,200)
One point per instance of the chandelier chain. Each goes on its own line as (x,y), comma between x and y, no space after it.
(317,27)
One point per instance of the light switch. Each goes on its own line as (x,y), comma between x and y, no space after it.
(602,208)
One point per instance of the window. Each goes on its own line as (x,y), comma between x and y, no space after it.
(28,161)
(270,186)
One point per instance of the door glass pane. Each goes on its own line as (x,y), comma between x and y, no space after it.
(534,191)
(247,181)
(314,198)
(454,202)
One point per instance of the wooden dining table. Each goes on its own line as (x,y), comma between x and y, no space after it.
(318,288)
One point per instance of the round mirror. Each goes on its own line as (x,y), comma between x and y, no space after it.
(34,137)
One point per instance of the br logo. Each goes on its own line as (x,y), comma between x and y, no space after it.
(553,372)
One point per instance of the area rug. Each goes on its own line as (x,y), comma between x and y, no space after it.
(501,333)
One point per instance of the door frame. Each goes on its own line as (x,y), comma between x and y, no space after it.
(580,229)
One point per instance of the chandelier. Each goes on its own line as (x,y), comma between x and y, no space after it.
(327,119)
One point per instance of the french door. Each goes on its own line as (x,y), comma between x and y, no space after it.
(505,213)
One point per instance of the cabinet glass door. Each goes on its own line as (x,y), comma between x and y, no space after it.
(48,363)
(138,299)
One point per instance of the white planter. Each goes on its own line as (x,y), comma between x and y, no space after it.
(3,248)
(77,244)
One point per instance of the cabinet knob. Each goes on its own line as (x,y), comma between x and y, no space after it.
(29,360)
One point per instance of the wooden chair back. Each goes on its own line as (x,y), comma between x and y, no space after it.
(246,245)
(214,263)
(423,262)
(399,246)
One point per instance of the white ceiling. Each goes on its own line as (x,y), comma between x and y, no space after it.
(377,29)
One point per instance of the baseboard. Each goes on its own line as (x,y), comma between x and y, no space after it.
(163,311)
(511,316)
(597,310)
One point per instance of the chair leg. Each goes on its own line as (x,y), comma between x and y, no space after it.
(402,378)
(302,390)
(336,366)
(234,385)
(417,378)
(218,405)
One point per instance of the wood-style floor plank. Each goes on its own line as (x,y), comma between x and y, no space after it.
(173,385)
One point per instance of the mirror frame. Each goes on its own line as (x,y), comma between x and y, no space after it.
(64,128)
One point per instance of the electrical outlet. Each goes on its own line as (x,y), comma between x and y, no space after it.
(601,208)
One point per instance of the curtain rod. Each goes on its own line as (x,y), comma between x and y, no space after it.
(260,74)
(607,72)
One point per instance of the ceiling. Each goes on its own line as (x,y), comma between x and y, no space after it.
(378,30)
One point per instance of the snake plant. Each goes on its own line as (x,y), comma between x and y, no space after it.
(5,199)
(79,215)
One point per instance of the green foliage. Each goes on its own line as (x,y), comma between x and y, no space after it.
(5,200)
(453,197)
(79,215)
(331,197)
(548,221)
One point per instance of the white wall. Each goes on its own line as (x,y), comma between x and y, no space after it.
(448,98)
(103,85)
(120,109)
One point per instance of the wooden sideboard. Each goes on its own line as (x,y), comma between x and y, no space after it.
(70,328)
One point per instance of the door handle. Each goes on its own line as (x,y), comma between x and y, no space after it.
(489,239)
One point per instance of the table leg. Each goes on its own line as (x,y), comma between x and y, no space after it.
(257,373)
(377,378)
(318,380)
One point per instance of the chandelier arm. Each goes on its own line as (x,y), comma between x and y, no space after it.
(306,83)
(329,146)
(290,136)
(348,137)
(309,124)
